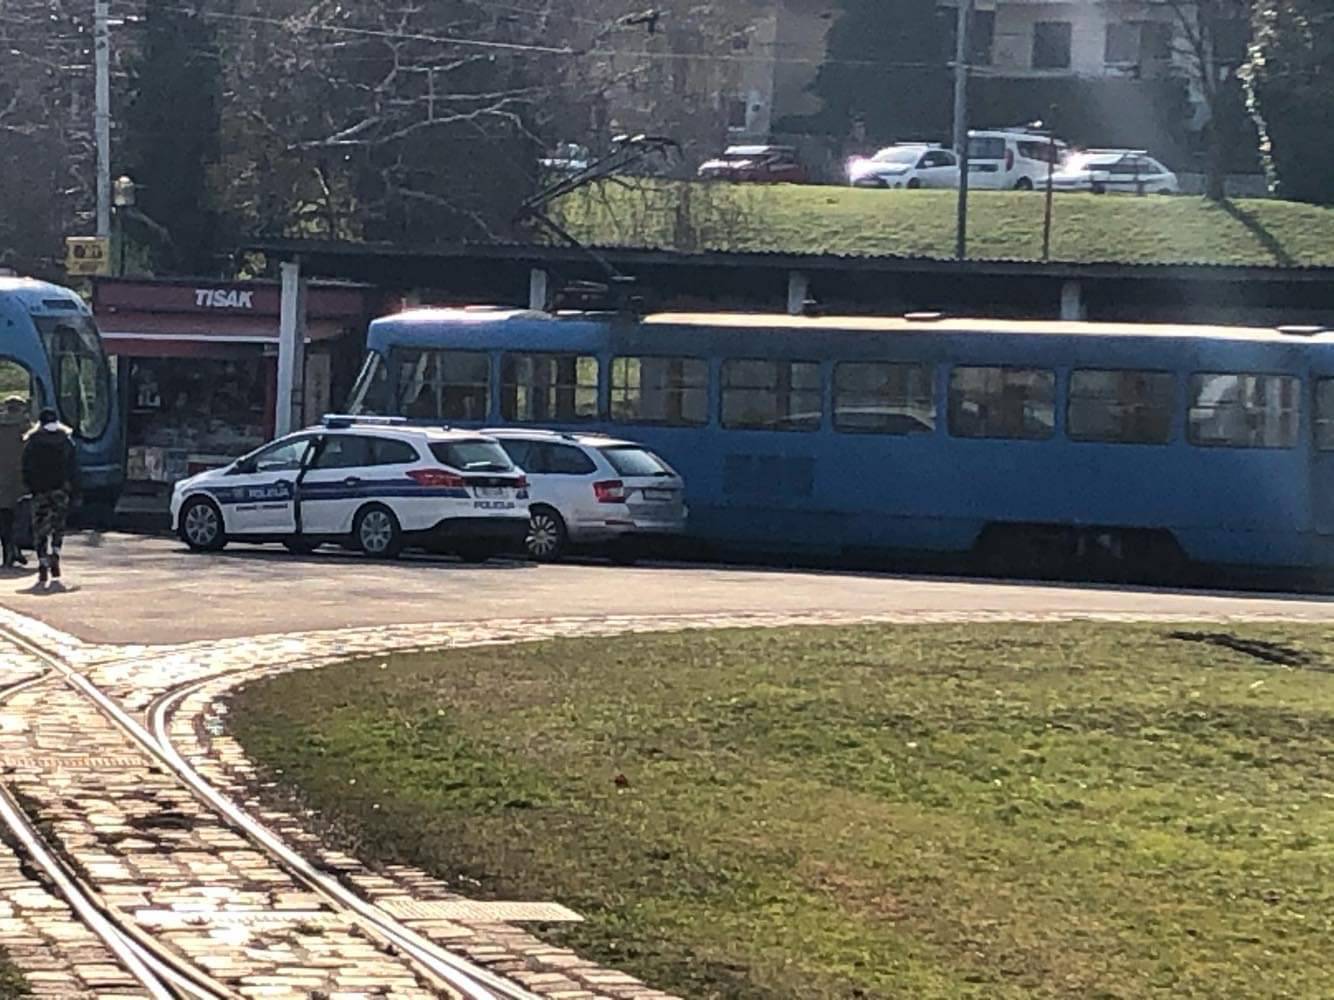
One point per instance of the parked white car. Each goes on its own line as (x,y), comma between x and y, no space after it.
(1012,159)
(371,483)
(1103,170)
(591,490)
(906,165)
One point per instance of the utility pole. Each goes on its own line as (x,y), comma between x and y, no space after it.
(965,13)
(102,119)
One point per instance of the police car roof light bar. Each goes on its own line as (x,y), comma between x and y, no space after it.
(348,419)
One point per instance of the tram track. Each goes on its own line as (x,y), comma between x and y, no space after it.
(162,972)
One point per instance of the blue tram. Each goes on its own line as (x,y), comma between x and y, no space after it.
(51,354)
(1056,444)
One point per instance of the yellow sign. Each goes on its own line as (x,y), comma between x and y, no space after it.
(87,255)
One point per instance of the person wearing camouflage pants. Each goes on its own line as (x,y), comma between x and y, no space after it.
(51,473)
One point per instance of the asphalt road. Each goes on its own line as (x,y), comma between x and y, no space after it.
(133,589)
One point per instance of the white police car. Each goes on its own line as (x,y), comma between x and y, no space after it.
(373,484)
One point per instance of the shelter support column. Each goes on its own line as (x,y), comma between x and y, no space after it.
(291,349)
(798,291)
(537,289)
(1072,301)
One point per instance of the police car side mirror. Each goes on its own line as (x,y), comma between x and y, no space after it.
(244,468)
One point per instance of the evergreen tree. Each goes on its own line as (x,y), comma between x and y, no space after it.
(170,134)
(1290,90)
(887,68)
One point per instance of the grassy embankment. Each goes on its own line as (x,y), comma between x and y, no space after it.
(801,219)
(990,811)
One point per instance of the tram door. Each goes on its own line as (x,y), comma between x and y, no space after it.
(1322,457)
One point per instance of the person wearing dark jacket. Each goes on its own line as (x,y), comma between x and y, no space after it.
(51,474)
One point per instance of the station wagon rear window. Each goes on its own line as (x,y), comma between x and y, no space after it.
(630,461)
(1121,406)
(1237,410)
(472,456)
(1016,403)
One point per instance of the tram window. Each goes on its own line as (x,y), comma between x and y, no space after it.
(772,395)
(79,369)
(443,385)
(1244,411)
(1015,403)
(1324,414)
(883,398)
(1121,406)
(371,393)
(15,380)
(673,391)
(541,387)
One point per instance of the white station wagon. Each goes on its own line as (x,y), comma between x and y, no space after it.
(594,491)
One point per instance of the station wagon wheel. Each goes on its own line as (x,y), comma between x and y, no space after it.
(547,536)
(201,525)
(1024,184)
(377,533)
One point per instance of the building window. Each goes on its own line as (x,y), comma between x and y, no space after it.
(673,391)
(981,35)
(1244,411)
(882,398)
(737,111)
(771,395)
(1002,403)
(1051,45)
(538,387)
(1122,45)
(1121,407)
(1155,42)
(443,385)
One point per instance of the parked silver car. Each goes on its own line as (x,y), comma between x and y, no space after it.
(595,491)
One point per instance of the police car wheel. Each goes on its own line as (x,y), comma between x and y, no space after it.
(201,526)
(546,535)
(377,533)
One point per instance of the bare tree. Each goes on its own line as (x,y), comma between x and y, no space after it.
(1210,40)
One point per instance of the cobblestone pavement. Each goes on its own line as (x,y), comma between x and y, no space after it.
(153,851)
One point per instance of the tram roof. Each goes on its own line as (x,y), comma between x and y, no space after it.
(414,322)
(39,296)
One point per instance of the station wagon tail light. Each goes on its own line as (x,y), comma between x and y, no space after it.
(1009,158)
(610,491)
(436,478)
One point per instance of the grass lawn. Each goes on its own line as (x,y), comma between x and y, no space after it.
(12,983)
(996,811)
(809,219)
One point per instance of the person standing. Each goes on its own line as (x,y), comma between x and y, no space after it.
(13,424)
(51,473)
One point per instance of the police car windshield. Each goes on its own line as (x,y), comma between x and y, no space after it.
(472,456)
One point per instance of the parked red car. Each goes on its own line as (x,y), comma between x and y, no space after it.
(756,164)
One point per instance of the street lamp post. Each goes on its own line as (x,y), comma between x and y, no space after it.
(124,197)
(102,114)
(1046,212)
(965,16)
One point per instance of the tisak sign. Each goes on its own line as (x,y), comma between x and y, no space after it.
(87,255)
